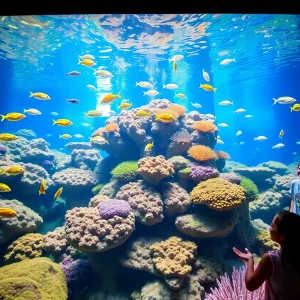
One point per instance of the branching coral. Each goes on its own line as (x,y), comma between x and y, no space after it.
(173,257)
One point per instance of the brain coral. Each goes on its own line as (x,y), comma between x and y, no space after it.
(113,207)
(218,194)
(27,246)
(33,279)
(176,199)
(154,168)
(87,231)
(173,257)
(145,201)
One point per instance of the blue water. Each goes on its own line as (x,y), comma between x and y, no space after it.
(36,55)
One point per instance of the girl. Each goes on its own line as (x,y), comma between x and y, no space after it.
(281,268)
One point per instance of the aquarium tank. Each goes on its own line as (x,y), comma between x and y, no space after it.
(136,150)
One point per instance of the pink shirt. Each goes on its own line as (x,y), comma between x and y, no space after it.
(284,283)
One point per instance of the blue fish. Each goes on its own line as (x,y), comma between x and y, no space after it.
(74,101)
(73,73)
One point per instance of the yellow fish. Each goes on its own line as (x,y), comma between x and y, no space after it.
(124,106)
(175,65)
(296,107)
(86,62)
(207,87)
(4,188)
(281,133)
(58,193)
(7,137)
(6,212)
(65,136)
(181,96)
(166,117)
(62,122)
(149,146)
(14,116)
(110,98)
(40,96)
(13,170)
(93,113)
(142,113)
(43,187)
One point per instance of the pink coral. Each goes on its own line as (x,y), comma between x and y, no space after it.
(144,200)
(176,199)
(87,231)
(154,168)
(234,288)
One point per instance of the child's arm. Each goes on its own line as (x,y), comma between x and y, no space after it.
(255,278)
(292,204)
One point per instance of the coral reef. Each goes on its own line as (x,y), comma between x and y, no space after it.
(26,221)
(37,278)
(27,246)
(144,200)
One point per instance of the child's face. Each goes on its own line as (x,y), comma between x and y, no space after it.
(298,170)
(274,235)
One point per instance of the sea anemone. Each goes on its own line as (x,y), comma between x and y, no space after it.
(112,127)
(202,153)
(180,109)
(205,126)
(181,137)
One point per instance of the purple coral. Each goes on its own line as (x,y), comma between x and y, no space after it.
(113,207)
(234,288)
(203,172)
(3,149)
(79,274)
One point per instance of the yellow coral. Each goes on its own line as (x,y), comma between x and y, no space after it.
(33,279)
(218,194)
(264,239)
(205,126)
(28,246)
(173,256)
(202,153)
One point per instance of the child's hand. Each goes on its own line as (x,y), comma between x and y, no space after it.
(244,256)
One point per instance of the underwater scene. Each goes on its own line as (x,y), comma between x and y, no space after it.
(136,150)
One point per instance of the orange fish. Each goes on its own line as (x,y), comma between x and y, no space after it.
(175,65)
(43,187)
(110,98)
(58,193)
(6,212)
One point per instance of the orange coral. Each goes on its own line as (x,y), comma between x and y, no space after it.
(98,132)
(205,126)
(178,108)
(171,112)
(222,154)
(112,127)
(202,153)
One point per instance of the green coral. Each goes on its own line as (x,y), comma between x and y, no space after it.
(33,279)
(185,171)
(96,189)
(250,187)
(194,224)
(125,171)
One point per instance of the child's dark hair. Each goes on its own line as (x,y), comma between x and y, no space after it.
(288,224)
(298,165)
